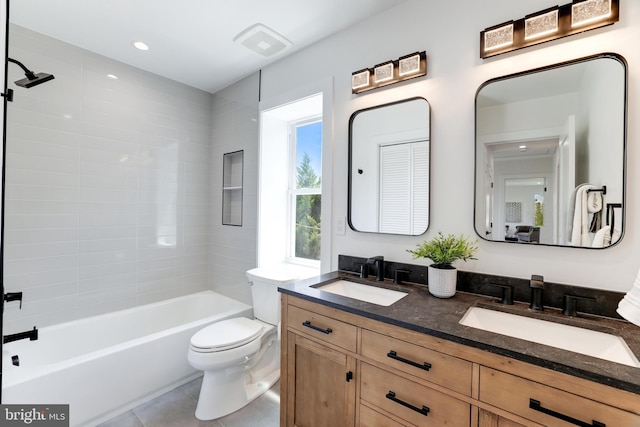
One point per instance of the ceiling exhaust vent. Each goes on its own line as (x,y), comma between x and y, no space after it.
(263,40)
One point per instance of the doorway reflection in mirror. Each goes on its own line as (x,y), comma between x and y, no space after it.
(540,135)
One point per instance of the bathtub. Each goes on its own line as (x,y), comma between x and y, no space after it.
(104,365)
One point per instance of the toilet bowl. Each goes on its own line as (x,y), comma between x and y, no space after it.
(240,357)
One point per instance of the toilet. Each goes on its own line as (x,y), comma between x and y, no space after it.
(240,357)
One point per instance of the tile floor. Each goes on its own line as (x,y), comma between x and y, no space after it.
(176,409)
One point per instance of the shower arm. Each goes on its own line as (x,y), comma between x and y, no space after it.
(27,72)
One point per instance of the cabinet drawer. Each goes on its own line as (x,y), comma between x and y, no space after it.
(556,407)
(371,418)
(323,328)
(409,400)
(440,368)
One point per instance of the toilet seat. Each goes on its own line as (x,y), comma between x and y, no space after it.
(225,335)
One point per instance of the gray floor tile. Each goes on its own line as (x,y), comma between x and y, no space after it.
(192,388)
(177,409)
(263,412)
(128,419)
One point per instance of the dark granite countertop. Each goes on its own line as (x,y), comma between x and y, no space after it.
(420,311)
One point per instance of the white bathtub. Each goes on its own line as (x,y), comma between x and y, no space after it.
(104,365)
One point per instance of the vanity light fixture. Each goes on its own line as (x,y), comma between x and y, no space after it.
(589,11)
(541,24)
(383,72)
(549,24)
(408,65)
(389,72)
(360,79)
(499,36)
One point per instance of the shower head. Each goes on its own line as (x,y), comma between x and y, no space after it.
(32,79)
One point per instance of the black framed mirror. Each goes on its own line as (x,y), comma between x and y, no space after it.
(389,156)
(550,148)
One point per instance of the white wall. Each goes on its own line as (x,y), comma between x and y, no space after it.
(603,157)
(519,117)
(449,32)
(107,186)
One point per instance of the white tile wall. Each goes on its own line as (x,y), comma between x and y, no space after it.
(108,186)
(235,127)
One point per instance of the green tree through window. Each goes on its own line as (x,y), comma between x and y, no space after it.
(538,219)
(307,190)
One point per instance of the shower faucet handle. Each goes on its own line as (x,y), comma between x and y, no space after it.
(13,296)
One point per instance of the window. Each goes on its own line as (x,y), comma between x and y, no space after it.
(538,209)
(289,187)
(305,190)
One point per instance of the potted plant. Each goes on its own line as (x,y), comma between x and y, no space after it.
(444,251)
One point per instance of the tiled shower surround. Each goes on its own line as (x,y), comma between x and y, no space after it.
(108,186)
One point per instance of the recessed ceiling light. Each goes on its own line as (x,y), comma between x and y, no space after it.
(141,45)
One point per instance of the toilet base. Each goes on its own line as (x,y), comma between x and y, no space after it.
(228,390)
(217,400)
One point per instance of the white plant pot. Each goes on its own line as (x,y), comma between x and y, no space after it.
(442,282)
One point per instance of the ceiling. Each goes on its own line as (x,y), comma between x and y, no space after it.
(191,41)
(531,85)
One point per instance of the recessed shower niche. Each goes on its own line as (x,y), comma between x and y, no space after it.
(233,164)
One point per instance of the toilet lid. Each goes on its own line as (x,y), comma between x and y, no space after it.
(227,334)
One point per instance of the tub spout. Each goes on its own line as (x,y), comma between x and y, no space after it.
(32,335)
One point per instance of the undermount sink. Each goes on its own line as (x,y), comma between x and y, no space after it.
(362,292)
(585,341)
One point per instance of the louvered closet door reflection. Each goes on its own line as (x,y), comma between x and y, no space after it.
(404,186)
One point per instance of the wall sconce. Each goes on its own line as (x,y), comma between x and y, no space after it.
(404,68)
(549,24)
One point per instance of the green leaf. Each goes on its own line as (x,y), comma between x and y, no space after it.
(444,250)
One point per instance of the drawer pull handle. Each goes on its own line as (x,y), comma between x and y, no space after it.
(424,410)
(392,354)
(316,328)
(537,406)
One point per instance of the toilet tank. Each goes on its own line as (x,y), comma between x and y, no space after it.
(264,291)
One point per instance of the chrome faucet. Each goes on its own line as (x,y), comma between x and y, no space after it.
(379,262)
(537,285)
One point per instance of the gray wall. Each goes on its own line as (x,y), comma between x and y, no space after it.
(235,127)
(108,186)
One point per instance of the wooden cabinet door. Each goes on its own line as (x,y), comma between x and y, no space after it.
(321,385)
(489,419)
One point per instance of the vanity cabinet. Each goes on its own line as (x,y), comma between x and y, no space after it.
(341,369)
(548,405)
(319,372)
(424,363)
(489,419)
(320,392)
(413,402)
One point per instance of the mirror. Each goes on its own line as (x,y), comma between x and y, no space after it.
(540,136)
(389,168)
